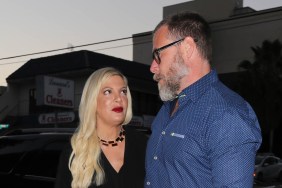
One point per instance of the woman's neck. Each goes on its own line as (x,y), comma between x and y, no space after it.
(108,133)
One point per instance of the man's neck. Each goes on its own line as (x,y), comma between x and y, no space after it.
(194,75)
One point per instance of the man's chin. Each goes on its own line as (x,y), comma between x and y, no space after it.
(165,97)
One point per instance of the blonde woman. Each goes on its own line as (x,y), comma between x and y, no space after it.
(104,153)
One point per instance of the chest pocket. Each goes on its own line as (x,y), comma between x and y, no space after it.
(179,146)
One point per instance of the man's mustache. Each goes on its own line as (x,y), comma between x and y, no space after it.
(157,77)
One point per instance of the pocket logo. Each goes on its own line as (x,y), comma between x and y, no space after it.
(177,135)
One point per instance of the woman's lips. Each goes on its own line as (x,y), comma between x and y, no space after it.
(118,109)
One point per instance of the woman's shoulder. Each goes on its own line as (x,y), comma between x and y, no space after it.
(135,132)
(136,142)
(66,150)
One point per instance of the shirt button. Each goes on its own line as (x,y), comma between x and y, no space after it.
(148,183)
(155,157)
(163,133)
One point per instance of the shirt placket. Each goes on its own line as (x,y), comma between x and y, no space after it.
(159,147)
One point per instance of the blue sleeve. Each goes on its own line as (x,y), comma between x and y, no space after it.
(234,139)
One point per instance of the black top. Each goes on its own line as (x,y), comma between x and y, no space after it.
(131,174)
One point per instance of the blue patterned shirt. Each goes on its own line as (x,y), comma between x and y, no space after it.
(210,141)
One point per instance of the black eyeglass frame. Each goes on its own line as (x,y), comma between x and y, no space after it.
(156,52)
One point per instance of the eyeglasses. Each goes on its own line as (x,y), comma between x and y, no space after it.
(156,52)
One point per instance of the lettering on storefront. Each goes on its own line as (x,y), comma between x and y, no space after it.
(62,117)
(56,92)
(57,101)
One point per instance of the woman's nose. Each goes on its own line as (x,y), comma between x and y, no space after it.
(117,98)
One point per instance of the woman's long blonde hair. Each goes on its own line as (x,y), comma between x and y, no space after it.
(84,162)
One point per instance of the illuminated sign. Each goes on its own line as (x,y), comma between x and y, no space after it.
(53,91)
(2,126)
(61,117)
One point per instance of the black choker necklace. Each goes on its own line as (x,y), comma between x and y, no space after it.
(115,142)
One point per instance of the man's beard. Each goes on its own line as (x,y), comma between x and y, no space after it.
(171,81)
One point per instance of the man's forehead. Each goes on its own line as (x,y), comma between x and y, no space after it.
(161,35)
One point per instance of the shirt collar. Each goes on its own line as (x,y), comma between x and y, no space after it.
(198,88)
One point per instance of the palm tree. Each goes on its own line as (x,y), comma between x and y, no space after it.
(264,85)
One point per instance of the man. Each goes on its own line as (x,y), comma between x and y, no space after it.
(205,135)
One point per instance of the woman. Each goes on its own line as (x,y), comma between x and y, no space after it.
(104,153)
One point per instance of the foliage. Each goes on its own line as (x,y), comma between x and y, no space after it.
(263,83)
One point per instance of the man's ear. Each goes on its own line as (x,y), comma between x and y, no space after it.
(189,47)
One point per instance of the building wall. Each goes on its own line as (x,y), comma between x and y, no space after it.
(2,89)
(17,98)
(142,47)
(23,97)
(210,10)
(232,38)
(22,109)
(9,102)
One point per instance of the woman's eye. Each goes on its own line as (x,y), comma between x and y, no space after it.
(124,91)
(107,92)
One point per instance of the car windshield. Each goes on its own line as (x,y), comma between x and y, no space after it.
(258,160)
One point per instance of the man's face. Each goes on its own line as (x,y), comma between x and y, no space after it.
(169,81)
(169,72)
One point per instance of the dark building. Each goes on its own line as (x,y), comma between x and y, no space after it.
(19,106)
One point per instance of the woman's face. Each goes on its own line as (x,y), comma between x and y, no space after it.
(112,102)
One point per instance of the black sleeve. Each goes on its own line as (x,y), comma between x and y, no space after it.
(64,177)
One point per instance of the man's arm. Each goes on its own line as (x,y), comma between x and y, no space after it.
(233,141)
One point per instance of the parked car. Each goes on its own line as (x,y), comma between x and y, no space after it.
(29,157)
(268,167)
